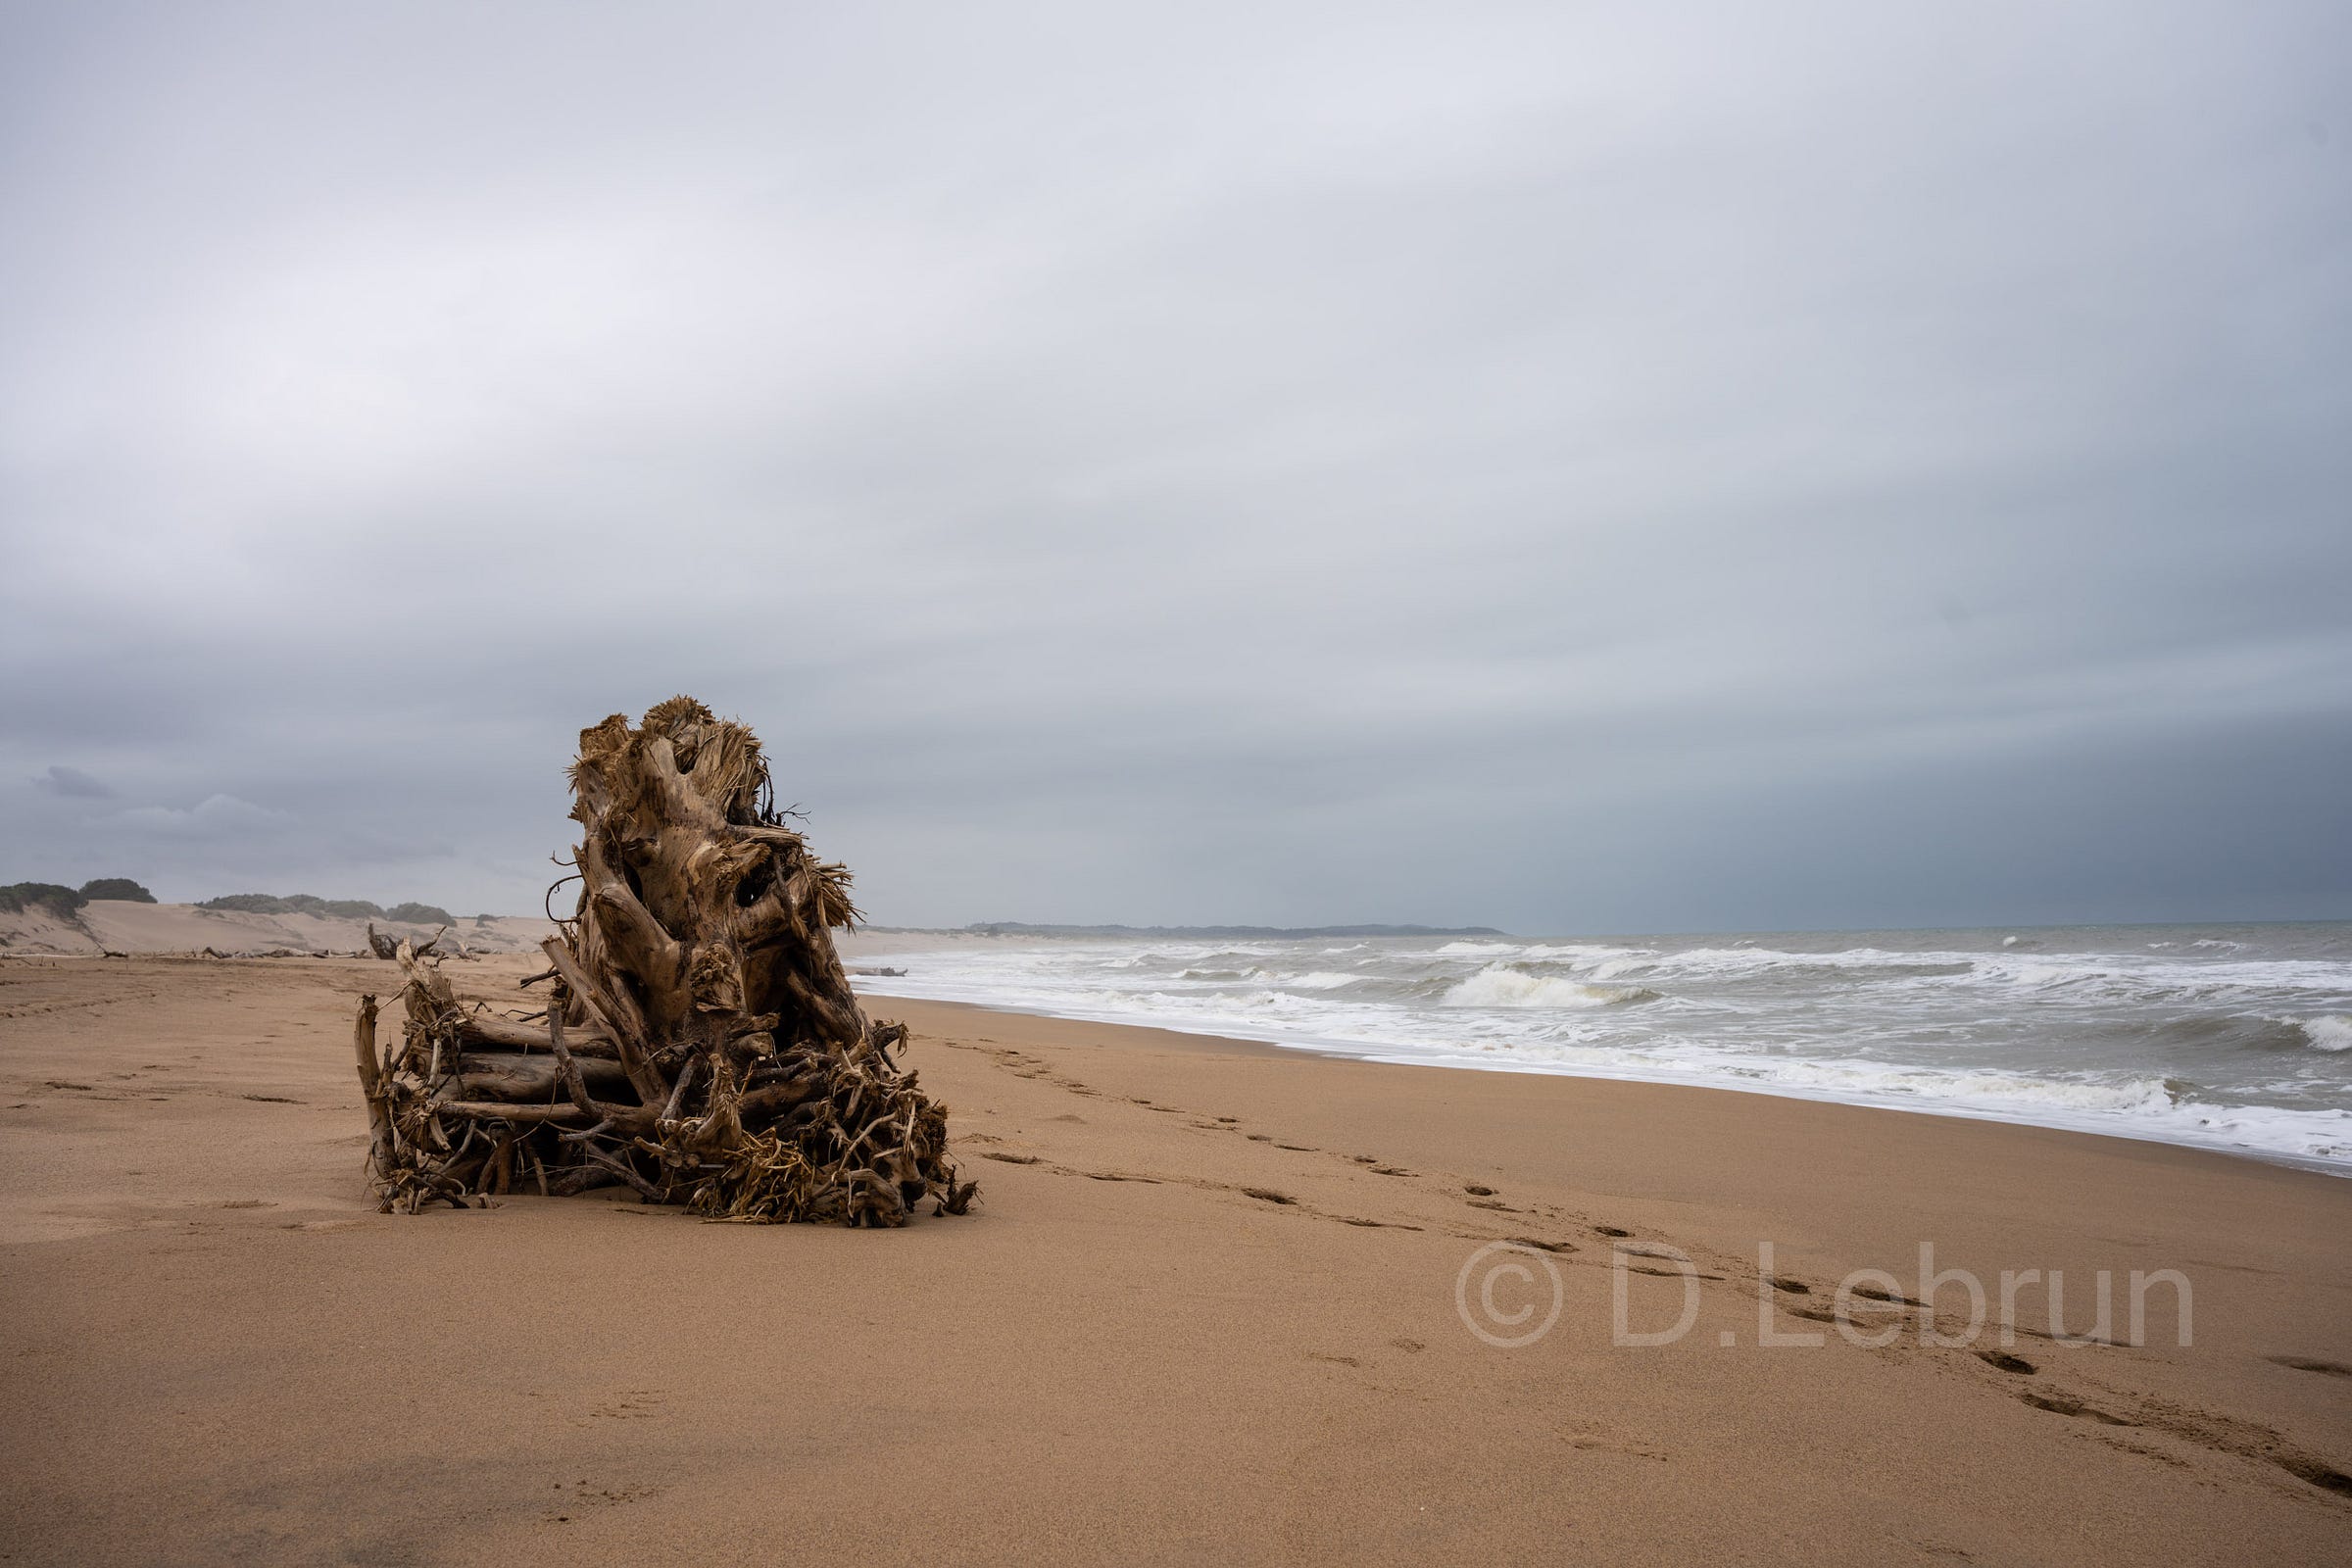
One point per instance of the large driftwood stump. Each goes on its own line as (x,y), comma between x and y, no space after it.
(702,1043)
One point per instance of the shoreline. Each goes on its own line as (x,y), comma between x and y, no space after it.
(1199,1270)
(2086,1126)
(1650,1099)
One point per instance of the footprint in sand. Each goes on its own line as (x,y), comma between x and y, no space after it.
(2058,1404)
(2318,1474)
(1609,1443)
(584,1495)
(2304,1363)
(633,1405)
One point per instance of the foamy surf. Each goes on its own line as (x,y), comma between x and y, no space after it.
(2235,1038)
(1500,985)
(2328,1031)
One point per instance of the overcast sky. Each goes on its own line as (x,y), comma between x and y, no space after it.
(1568,467)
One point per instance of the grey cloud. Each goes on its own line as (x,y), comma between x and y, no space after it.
(71,782)
(216,817)
(1507,465)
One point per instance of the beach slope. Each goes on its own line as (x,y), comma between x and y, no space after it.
(1211,1306)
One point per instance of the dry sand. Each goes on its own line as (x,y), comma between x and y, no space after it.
(1132,1351)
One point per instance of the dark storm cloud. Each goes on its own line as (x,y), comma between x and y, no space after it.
(1549,466)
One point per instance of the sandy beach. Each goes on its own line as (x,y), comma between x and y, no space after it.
(1210,1307)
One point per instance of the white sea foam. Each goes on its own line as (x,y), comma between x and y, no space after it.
(2330,1031)
(1499,985)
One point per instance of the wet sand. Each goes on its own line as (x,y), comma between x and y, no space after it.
(1210,1307)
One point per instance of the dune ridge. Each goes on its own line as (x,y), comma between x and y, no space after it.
(125,926)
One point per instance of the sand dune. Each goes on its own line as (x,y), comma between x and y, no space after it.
(1210,1307)
(120,926)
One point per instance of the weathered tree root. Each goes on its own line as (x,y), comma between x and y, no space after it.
(702,1046)
(388,947)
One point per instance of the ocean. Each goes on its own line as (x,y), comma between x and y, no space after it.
(2230,1037)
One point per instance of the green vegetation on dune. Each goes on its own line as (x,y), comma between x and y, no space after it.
(412,914)
(121,889)
(296,903)
(60,901)
(63,902)
(66,902)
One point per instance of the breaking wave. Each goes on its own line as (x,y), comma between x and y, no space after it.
(2330,1031)
(1318,980)
(1499,985)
